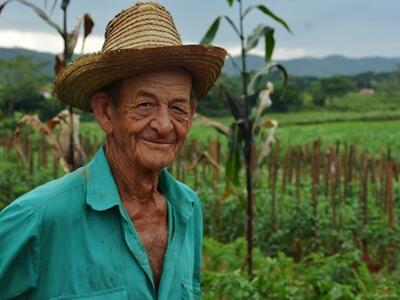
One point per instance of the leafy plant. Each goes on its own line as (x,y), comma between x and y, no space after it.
(245,132)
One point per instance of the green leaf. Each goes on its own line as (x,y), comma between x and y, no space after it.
(3,5)
(232,167)
(269,13)
(230,2)
(255,80)
(233,25)
(64,4)
(283,71)
(269,45)
(211,32)
(235,108)
(252,39)
(259,31)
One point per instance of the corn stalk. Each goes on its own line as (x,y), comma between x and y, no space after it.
(244,133)
(70,40)
(58,145)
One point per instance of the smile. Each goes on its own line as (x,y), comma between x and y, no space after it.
(155,143)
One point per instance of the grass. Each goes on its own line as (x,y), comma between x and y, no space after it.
(371,135)
(327,116)
(366,103)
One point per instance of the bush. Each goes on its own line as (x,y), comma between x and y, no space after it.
(285,99)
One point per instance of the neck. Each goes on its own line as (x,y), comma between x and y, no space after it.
(134,182)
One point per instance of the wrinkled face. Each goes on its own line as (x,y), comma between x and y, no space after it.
(154,116)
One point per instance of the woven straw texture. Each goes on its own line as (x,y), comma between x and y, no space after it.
(139,39)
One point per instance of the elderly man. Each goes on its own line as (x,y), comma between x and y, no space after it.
(120,227)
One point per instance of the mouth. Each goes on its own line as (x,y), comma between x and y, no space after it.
(158,143)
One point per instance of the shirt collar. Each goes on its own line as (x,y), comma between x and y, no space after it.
(178,194)
(102,191)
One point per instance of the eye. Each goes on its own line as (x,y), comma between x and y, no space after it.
(179,109)
(145,105)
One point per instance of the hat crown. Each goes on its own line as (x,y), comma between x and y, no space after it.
(144,25)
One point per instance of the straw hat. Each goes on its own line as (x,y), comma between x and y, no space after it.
(139,39)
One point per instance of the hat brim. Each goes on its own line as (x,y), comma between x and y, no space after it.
(77,82)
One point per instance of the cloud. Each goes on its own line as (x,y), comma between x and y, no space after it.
(45,42)
(279,53)
(53,43)
(289,53)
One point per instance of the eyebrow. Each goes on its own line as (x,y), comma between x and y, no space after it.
(180,100)
(146,94)
(149,94)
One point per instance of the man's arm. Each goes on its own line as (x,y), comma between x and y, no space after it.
(198,238)
(19,251)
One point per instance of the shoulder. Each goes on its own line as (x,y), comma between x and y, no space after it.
(197,216)
(51,199)
(191,194)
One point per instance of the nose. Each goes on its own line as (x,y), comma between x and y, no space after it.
(162,122)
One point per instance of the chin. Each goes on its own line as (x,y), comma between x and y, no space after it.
(153,158)
(157,165)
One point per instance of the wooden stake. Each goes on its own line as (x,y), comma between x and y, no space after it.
(390,214)
(314,184)
(275,167)
(363,199)
(299,157)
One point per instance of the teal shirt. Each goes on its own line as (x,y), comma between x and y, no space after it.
(72,239)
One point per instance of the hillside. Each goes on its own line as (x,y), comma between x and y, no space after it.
(325,67)
(7,53)
(308,66)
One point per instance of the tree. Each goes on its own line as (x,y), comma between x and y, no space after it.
(286,98)
(20,82)
(244,133)
(213,104)
(328,88)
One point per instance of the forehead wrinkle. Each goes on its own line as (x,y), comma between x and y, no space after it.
(163,83)
(173,94)
(146,93)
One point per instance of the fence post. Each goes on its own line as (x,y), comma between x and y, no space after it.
(390,214)
(364,199)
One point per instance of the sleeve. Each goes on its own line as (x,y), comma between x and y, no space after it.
(19,251)
(198,231)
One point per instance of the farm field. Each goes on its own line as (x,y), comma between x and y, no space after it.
(331,237)
(369,135)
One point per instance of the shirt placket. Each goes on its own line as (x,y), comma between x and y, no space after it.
(136,248)
(172,255)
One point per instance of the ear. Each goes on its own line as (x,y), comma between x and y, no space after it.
(103,110)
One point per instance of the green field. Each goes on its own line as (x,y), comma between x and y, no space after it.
(336,270)
(370,135)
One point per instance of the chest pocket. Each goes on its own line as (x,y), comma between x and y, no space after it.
(110,294)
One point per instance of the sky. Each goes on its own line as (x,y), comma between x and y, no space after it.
(353,28)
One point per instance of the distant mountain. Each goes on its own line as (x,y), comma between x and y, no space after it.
(307,66)
(323,67)
(49,58)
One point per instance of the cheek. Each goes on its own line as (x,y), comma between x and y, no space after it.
(182,129)
(126,133)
